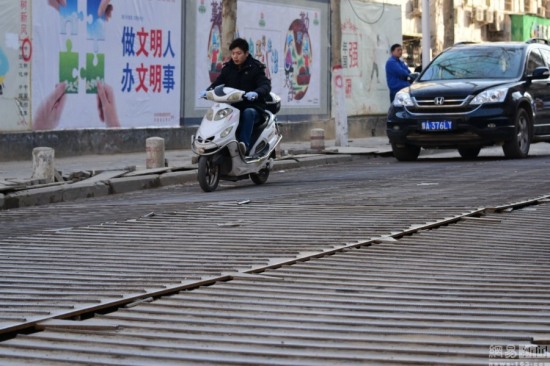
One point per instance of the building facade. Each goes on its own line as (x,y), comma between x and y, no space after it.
(453,21)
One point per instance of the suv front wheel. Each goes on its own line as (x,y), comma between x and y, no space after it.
(405,152)
(518,146)
(469,153)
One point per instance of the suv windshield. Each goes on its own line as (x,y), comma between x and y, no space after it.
(476,63)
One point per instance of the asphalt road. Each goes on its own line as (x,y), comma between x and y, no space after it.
(437,179)
(101,250)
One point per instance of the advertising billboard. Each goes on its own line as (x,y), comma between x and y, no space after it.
(106,64)
(286,38)
(15,56)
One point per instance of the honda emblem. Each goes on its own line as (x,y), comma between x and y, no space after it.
(439,100)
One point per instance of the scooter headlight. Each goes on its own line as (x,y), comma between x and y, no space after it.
(210,114)
(222,113)
(226,132)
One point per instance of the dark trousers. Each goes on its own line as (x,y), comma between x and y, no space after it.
(249,117)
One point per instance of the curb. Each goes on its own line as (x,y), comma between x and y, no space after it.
(94,188)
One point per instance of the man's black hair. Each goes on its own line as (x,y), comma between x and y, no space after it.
(394,46)
(240,43)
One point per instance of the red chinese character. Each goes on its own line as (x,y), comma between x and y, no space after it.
(353,55)
(142,37)
(142,75)
(348,87)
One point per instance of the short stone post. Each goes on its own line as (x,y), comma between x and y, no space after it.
(154,146)
(43,164)
(317,139)
(339,108)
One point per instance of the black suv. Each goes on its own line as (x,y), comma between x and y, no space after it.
(474,95)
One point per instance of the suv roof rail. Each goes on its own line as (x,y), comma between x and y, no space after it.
(537,40)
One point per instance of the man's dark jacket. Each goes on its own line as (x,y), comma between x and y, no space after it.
(250,76)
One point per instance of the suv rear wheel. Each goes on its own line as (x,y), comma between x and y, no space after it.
(518,146)
(405,152)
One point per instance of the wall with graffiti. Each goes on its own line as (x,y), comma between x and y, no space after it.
(368,31)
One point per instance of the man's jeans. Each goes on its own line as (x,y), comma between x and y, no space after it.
(249,117)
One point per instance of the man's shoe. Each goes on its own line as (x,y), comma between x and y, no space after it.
(242,148)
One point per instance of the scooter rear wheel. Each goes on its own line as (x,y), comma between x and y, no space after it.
(261,177)
(208,174)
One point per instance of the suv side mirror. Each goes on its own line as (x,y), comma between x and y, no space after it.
(413,76)
(541,72)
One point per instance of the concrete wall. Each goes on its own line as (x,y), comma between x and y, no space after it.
(19,145)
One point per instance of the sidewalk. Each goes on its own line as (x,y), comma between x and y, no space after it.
(99,175)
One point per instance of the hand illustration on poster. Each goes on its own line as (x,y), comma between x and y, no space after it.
(105,9)
(57,3)
(48,114)
(106,105)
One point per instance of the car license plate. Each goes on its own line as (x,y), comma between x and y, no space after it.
(437,125)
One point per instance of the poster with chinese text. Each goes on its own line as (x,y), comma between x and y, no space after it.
(15,53)
(102,63)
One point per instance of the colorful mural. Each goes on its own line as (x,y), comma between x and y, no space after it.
(289,49)
(280,36)
(215,41)
(298,58)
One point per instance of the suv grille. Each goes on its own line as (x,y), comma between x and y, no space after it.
(442,105)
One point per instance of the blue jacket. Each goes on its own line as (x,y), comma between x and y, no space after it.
(396,75)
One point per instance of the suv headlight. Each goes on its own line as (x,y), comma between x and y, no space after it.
(496,95)
(402,99)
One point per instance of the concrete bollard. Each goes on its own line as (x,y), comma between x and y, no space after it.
(154,146)
(43,164)
(317,139)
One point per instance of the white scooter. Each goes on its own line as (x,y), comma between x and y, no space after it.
(218,148)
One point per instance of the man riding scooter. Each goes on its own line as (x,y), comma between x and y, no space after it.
(245,73)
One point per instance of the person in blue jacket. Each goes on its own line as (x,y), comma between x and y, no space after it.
(397,72)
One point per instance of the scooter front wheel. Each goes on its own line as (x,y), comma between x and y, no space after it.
(208,174)
(260,177)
